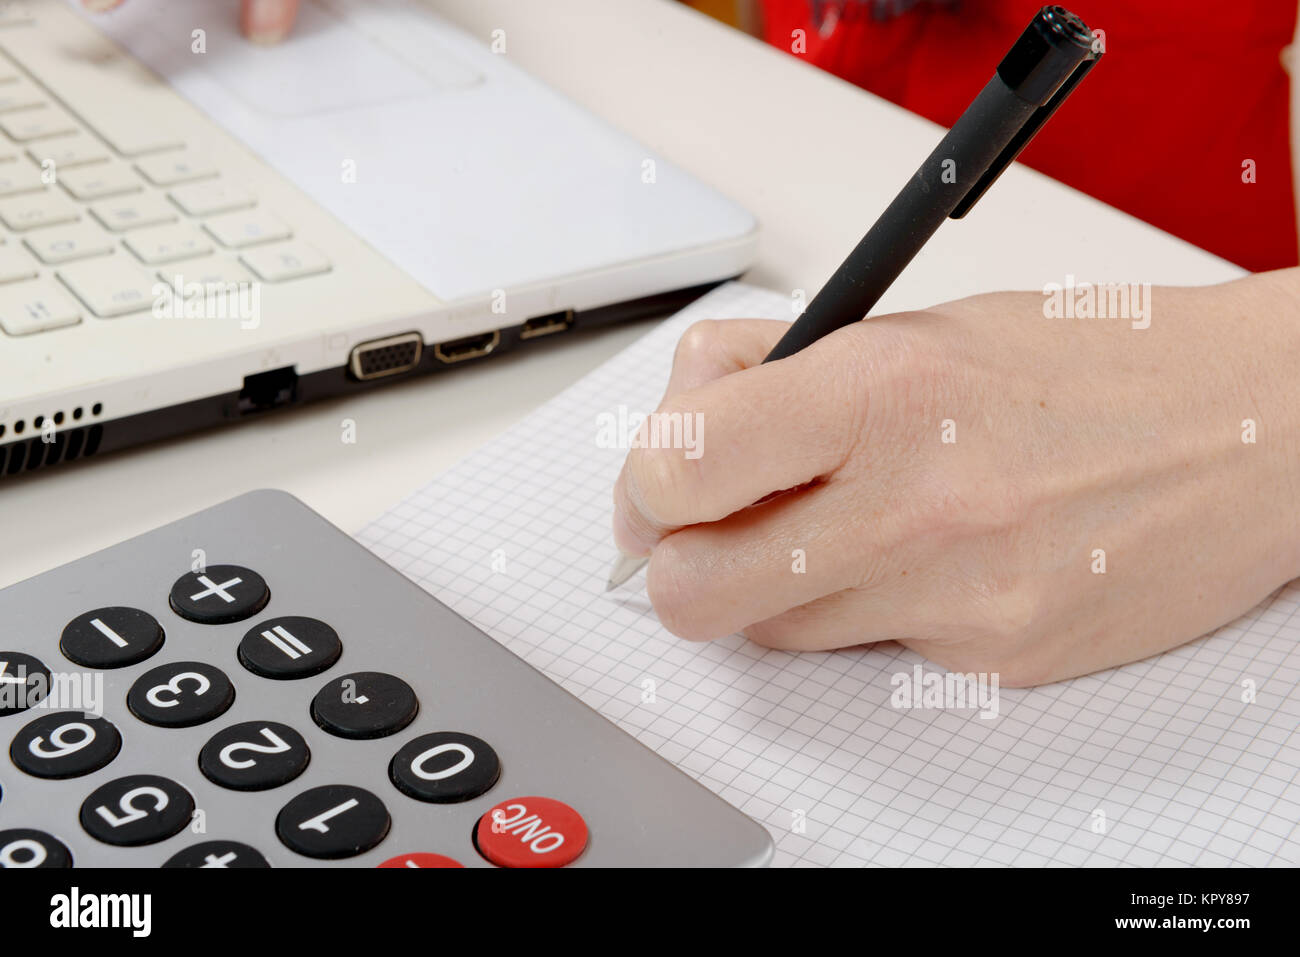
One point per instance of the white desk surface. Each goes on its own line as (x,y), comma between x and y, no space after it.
(816,159)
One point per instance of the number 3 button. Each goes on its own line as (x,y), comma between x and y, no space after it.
(135,810)
(181,694)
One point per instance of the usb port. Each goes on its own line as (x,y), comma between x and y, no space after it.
(547,325)
(471,347)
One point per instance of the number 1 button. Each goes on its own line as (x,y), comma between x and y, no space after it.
(333,821)
(111,637)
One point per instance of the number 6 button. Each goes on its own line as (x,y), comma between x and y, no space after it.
(138,809)
(65,745)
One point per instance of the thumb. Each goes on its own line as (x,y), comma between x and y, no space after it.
(267,21)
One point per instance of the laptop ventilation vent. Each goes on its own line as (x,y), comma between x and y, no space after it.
(35,453)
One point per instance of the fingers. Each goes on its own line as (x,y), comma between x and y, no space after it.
(713,348)
(267,21)
(100,6)
(761,430)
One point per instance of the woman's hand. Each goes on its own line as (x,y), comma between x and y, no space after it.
(1001,491)
(263,21)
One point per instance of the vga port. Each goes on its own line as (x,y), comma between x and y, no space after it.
(391,355)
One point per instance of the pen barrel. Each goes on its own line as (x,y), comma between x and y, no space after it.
(973,144)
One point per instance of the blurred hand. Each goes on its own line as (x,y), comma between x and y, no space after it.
(263,21)
(1000,491)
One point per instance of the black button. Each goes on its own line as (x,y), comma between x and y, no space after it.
(137,809)
(218,854)
(65,745)
(334,821)
(111,637)
(24,681)
(254,756)
(365,704)
(290,647)
(220,594)
(445,767)
(180,694)
(25,847)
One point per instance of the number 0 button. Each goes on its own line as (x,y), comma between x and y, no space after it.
(65,745)
(219,594)
(254,756)
(367,704)
(445,767)
(25,847)
(334,821)
(111,637)
(138,809)
(181,694)
(290,648)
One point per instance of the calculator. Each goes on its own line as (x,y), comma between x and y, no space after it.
(250,687)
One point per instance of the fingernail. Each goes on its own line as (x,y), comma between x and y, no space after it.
(99,6)
(266,21)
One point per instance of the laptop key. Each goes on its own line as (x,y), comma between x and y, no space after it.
(206,199)
(110,286)
(23,126)
(168,169)
(19,176)
(135,212)
(33,211)
(285,261)
(165,244)
(98,181)
(66,243)
(15,265)
(19,96)
(198,277)
(28,307)
(237,230)
(67,151)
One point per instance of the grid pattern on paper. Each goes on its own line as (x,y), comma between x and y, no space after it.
(1156,763)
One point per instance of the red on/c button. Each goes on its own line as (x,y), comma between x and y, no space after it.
(531,832)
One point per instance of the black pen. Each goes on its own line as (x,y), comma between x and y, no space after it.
(1041,69)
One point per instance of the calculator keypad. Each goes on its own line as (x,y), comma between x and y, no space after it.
(181,694)
(366,704)
(111,638)
(66,744)
(333,821)
(254,756)
(219,594)
(292,647)
(137,809)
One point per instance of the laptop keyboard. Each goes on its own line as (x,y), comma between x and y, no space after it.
(92,219)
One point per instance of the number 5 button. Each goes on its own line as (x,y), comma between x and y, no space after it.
(181,694)
(111,637)
(138,809)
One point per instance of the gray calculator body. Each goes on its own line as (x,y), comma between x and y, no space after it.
(639,809)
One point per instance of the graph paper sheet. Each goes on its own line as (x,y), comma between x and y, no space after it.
(1155,763)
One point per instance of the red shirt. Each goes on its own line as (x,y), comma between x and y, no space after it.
(1185,94)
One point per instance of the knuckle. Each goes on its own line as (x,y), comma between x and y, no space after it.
(660,484)
(676,592)
(700,340)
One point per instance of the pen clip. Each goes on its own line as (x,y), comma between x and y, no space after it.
(1022,138)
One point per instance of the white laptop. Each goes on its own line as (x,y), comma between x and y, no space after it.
(195,229)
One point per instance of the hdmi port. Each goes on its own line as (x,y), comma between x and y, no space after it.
(547,325)
(471,347)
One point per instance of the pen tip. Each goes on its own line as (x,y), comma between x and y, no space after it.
(624,568)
